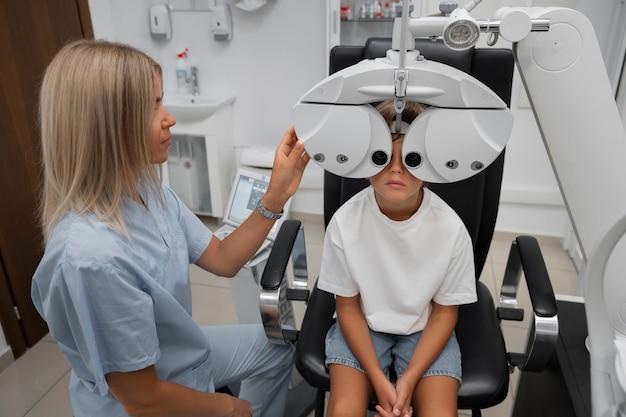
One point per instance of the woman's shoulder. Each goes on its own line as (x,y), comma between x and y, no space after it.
(85,238)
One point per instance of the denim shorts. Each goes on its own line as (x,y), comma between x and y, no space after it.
(393,349)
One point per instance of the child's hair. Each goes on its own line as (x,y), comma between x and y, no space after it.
(411,110)
(95,112)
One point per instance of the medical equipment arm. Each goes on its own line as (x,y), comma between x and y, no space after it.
(563,74)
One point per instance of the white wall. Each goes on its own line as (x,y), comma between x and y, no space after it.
(279,52)
(6,356)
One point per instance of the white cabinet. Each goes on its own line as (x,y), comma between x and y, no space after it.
(201,162)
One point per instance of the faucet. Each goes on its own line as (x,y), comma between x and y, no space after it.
(195,90)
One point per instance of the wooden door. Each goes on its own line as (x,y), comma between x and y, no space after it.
(32,31)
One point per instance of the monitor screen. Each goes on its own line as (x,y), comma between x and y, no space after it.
(248,188)
(247,193)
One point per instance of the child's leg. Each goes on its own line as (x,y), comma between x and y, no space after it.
(350,392)
(350,387)
(436,396)
(437,390)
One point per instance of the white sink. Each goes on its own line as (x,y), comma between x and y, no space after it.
(189,108)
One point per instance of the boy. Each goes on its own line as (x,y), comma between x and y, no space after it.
(399,261)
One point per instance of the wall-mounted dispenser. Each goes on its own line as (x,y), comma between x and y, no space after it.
(250,5)
(222,23)
(160,22)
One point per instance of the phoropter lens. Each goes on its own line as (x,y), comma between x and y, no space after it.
(413,159)
(379,158)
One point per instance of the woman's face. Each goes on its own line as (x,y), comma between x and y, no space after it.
(161,138)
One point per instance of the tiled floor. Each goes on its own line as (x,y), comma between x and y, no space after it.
(35,385)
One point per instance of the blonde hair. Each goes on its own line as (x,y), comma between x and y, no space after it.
(96,107)
(411,110)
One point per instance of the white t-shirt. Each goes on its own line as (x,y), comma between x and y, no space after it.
(398,267)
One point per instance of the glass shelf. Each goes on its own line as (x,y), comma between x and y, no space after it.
(382,19)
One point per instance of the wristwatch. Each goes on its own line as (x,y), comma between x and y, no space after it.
(267,213)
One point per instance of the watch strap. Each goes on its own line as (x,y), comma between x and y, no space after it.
(267,213)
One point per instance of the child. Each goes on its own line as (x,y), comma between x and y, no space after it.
(399,261)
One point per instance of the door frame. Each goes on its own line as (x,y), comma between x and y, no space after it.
(32,32)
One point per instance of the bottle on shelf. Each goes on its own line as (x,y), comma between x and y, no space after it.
(346,10)
(392,8)
(386,11)
(378,10)
(182,73)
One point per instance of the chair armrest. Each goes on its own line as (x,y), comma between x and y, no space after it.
(525,255)
(310,349)
(276,296)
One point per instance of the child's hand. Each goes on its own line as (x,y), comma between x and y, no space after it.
(383,413)
(404,395)
(386,396)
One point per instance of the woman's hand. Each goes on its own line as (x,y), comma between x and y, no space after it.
(241,408)
(143,393)
(289,163)
(226,257)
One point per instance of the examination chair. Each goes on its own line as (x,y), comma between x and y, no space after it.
(486,362)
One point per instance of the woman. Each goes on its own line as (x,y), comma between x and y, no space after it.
(113,284)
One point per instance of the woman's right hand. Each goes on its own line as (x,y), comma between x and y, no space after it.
(241,408)
(290,159)
(143,393)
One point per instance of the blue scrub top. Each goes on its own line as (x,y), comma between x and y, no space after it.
(118,303)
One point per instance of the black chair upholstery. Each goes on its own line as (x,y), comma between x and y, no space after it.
(486,364)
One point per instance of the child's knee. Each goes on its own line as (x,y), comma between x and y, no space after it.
(345,408)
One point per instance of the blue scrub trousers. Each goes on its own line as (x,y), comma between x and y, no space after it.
(242,353)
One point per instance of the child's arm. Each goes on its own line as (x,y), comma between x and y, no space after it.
(435,336)
(355,330)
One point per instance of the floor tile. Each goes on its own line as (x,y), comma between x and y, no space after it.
(55,403)
(30,378)
(199,276)
(212,305)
